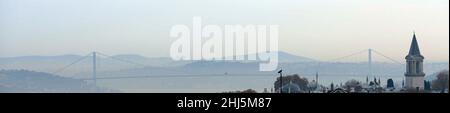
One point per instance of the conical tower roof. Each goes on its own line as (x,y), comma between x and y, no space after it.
(414,49)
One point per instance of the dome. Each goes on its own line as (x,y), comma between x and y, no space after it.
(291,88)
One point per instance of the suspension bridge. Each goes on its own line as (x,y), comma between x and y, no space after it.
(93,56)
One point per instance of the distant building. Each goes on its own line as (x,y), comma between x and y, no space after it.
(291,88)
(414,76)
(265,90)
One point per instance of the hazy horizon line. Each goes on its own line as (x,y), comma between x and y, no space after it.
(146,56)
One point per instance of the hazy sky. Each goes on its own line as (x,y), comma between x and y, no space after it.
(320,29)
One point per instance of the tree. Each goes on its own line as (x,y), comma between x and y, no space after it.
(390,83)
(441,83)
(353,84)
(249,91)
(244,91)
(332,86)
(427,85)
(295,79)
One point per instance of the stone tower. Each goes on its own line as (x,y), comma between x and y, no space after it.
(414,76)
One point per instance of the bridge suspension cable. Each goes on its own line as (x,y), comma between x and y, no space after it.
(389,58)
(67,66)
(122,60)
(347,56)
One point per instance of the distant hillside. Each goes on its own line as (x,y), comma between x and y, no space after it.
(284,57)
(164,66)
(24,81)
(154,62)
(130,57)
(290,58)
(53,63)
(41,58)
(219,67)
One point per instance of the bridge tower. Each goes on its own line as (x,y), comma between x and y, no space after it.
(94,69)
(370,62)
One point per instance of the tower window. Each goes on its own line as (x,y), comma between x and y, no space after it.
(418,67)
(410,67)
